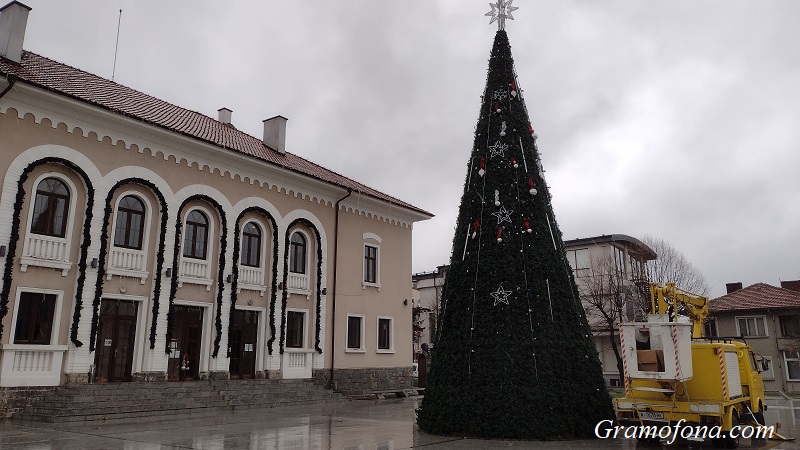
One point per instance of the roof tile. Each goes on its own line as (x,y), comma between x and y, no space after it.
(757,296)
(61,78)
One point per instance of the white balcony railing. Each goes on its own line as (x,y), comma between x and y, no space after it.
(45,251)
(195,271)
(31,365)
(124,258)
(127,262)
(299,283)
(297,362)
(251,278)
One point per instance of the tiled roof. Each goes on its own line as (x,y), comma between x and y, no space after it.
(757,296)
(63,79)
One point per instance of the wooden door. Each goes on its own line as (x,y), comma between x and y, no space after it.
(186,342)
(244,336)
(116,333)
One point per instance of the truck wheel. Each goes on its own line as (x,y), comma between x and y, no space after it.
(728,441)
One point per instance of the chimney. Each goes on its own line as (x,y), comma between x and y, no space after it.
(275,133)
(13,19)
(791,285)
(225,115)
(733,287)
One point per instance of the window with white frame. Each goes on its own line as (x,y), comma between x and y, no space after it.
(372,261)
(195,266)
(385,335)
(251,245)
(127,256)
(35,318)
(297,253)
(792,360)
(752,326)
(370,264)
(47,243)
(51,208)
(295,329)
(195,235)
(355,333)
(579,260)
(129,226)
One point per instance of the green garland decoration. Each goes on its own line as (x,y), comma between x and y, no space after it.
(220,274)
(274,282)
(285,299)
(101,271)
(14,238)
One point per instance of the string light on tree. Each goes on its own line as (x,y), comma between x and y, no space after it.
(526,368)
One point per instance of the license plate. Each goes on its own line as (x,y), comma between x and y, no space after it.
(647,415)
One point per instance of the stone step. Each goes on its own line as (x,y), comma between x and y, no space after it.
(139,401)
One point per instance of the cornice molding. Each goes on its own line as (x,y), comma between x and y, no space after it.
(134,135)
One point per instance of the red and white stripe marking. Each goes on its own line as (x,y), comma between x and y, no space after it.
(721,354)
(624,361)
(678,373)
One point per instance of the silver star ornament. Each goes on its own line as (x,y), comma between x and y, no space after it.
(500,296)
(500,12)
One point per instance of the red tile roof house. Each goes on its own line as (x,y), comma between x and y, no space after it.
(768,317)
(141,241)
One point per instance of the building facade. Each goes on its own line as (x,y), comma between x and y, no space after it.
(428,289)
(768,318)
(609,270)
(144,241)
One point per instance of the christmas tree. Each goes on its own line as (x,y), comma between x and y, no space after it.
(514,356)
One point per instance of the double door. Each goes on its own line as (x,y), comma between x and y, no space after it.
(185,343)
(244,335)
(116,332)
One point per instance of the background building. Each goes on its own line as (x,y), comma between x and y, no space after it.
(610,274)
(768,317)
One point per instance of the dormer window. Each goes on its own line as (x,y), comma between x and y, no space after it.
(130,223)
(50,208)
(196,235)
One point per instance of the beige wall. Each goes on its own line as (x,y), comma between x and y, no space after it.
(20,135)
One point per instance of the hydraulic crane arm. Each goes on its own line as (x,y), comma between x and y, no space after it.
(693,305)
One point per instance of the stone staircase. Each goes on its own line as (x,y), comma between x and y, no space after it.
(139,401)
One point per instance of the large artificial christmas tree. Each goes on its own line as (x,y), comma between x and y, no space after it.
(514,356)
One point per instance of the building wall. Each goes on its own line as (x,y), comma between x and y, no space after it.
(109,148)
(771,346)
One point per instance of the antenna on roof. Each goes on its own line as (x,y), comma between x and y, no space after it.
(116,46)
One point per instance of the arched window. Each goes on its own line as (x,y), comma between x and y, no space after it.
(50,208)
(297,254)
(196,235)
(251,245)
(130,223)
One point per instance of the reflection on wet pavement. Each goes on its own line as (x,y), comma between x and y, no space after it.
(384,424)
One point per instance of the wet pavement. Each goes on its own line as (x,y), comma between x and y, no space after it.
(356,424)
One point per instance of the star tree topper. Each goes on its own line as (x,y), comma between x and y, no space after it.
(500,12)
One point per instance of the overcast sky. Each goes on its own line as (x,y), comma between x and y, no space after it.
(678,119)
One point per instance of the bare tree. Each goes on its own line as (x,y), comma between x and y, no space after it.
(672,266)
(606,296)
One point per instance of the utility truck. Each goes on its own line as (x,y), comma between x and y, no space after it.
(676,377)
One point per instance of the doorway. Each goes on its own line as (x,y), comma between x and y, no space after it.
(244,337)
(116,333)
(185,344)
